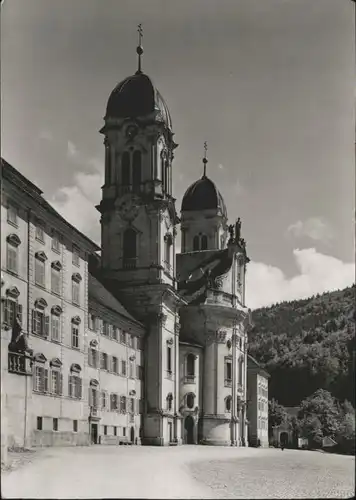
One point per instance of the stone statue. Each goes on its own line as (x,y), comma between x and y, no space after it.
(18,341)
(231,231)
(238,229)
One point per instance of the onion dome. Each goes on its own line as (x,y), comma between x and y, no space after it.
(203,194)
(136,96)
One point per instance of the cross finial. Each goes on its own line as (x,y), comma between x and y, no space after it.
(139,49)
(205,160)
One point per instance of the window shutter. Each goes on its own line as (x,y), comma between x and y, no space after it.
(70,386)
(19,312)
(46,326)
(79,388)
(90,397)
(61,384)
(225,370)
(33,321)
(45,371)
(6,311)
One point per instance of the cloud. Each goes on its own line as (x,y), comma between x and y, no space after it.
(315,228)
(220,166)
(77,203)
(318,273)
(45,135)
(72,150)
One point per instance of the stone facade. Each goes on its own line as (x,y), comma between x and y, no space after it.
(257,406)
(130,342)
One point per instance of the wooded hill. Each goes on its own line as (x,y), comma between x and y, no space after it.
(306,345)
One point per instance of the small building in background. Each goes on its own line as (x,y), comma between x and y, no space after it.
(284,434)
(257,408)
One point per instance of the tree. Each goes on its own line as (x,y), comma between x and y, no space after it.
(277,415)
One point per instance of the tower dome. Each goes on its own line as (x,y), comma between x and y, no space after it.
(203,195)
(136,96)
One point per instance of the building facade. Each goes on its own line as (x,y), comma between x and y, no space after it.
(130,342)
(257,395)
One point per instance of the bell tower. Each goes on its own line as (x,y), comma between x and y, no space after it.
(138,229)
(204,215)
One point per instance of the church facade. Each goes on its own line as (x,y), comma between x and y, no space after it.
(131,342)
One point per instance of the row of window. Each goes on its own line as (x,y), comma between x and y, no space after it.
(112,364)
(263,392)
(262,423)
(50,381)
(114,402)
(12,265)
(55,427)
(262,406)
(110,331)
(40,233)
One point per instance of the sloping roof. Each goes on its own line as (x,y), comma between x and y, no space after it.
(99,293)
(253,364)
(11,174)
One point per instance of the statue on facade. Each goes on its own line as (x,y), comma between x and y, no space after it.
(238,229)
(18,341)
(231,231)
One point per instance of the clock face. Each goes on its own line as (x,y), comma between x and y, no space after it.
(131,131)
(128,209)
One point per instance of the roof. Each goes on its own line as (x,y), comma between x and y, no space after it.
(253,364)
(203,195)
(136,96)
(11,174)
(99,293)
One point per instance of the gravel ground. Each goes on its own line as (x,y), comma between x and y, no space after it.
(180,472)
(277,474)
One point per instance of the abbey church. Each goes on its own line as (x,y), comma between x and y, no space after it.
(130,342)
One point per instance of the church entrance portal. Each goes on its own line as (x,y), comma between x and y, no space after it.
(283,439)
(189,429)
(132,435)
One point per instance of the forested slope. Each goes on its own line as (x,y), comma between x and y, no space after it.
(306,345)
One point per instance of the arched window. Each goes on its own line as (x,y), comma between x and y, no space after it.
(169,401)
(108,175)
(204,242)
(196,243)
(168,240)
(125,169)
(130,244)
(190,366)
(190,400)
(228,404)
(136,173)
(166,177)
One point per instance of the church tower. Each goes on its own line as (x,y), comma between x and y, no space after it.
(204,215)
(138,228)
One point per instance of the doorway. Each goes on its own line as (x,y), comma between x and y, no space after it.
(94,433)
(170,432)
(132,435)
(283,439)
(189,429)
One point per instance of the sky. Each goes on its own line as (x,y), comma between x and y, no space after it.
(269,84)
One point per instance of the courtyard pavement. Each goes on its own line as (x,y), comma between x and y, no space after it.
(180,472)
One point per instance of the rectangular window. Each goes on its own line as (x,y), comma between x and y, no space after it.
(123,404)
(169,359)
(124,431)
(115,364)
(55,328)
(106,329)
(56,382)
(12,214)
(11,258)
(39,423)
(105,430)
(40,272)
(75,292)
(40,232)
(75,336)
(55,281)
(41,379)
(115,430)
(103,361)
(131,369)
(55,424)
(122,337)
(93,358)
(123,368)
(55,242)
(74,387)
(75,255)
(114,402)
(93,397)
(103,399)
(75,425)
(115,333)
(10,308)
(228,372)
